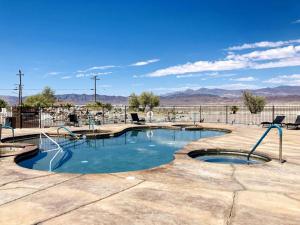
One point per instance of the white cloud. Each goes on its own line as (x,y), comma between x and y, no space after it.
(287,56)
(144,63)
(189,75)
(296,21)
(275,53)
(200,66)
(206,75)
(244,79)
(281,63)
(96,68)
(235,86)
(293,80)
(97,74)
(263,44)
(66,77)
(54,73)
(80,75)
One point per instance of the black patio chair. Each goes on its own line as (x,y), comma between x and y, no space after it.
(278,120)
(294,125)
(73,119)
(135,119)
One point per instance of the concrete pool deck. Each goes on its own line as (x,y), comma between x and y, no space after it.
(186,191)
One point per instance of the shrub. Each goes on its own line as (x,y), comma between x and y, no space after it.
(255,104)
(146,99)
(3,104)
(234,109)
(134,102)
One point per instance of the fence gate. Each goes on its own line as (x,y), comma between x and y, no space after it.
(26,117)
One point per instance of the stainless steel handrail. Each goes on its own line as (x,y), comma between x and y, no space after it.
(70,132)
(59,149)
(263,137)
(7,127)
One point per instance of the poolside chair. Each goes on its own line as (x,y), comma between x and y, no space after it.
(135,119)
(294,125)
(278,120)
(73,119)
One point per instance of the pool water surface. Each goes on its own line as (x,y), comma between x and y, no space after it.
(133,150)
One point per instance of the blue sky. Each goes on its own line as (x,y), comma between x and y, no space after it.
(158,45)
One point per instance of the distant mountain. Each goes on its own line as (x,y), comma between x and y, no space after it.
(276,91)
(280,95)
(12,100)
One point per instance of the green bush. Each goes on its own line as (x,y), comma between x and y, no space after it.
(234,109)
(254,103)
(146,99)
(44,99)
(3,104)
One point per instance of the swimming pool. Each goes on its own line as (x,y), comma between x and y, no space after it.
(137,149)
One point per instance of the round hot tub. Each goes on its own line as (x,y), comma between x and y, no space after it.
(228,157)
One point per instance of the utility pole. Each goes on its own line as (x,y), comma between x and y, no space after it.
(20,74)
(95,78)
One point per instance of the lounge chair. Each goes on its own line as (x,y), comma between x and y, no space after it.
(294,125)
(135,119)
(278,120)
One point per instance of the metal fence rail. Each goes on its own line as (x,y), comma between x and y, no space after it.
(60,116)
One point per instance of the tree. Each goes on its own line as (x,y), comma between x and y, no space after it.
(3,103)
(134,102)
(254,103)
(44,99)
(148,99)
(49,94)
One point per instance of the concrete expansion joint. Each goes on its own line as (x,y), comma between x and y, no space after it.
(90,203)
(231,212)
(243,187)
(31,178)
(39,190)
(4,189)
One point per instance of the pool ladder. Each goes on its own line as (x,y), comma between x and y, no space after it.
(69,132)
(263,137)
(7,127)
(58,148)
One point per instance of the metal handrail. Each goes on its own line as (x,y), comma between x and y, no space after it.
(263,137)
(70,132)
(59,148)
(8,127)
(54,142)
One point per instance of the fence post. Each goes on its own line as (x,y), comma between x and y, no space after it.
(0,131)
(174,118)
(200,113)
(103,115)
(40,117)
(125,114)
(21,117)
(273,113)
(226,107)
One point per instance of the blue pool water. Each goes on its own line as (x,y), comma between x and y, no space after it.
(230,159)
(133,150)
